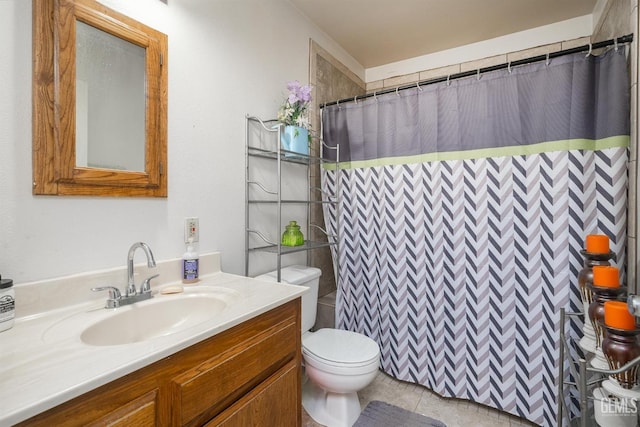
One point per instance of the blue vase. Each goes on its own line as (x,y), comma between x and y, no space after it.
(296,139)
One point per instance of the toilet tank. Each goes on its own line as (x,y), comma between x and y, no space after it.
(302,276)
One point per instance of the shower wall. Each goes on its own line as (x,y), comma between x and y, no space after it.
(621,17)
(331,80)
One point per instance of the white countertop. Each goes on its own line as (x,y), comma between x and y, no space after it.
(40,370)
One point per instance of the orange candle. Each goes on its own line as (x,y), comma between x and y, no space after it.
(606,276)
(597,244)
(616,315)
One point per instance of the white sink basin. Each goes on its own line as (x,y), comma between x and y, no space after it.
(157,317)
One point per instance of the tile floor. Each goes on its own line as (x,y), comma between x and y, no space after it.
(452,412)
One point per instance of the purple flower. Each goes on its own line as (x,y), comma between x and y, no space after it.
(304,93)
(294,110)
(293,88)
(293,85)
(298,93)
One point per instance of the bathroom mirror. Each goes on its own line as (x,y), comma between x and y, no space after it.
(99,102)
(110,82)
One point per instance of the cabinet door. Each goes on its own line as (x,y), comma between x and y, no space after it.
(275,402)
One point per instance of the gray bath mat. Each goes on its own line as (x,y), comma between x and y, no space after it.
(381,414)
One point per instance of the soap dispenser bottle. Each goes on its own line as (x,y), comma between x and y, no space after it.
(190,264)
(7,304)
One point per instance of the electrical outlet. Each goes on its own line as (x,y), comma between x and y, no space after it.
(191,229)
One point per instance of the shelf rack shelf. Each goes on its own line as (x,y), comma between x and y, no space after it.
(263,142)
(587,378)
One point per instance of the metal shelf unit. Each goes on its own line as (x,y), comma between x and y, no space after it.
(587,378)
(263,142)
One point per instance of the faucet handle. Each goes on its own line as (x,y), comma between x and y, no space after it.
(131,290)
(114,295)
(145,288)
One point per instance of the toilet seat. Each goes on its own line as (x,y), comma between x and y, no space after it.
(340,349)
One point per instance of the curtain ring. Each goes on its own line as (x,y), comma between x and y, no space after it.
(590,48)
(338,104)
(509,67)
(547,60)
(478,75)
(448,80)
(418,86)
(615,44)
(397,88)
(355,99)
(375,96)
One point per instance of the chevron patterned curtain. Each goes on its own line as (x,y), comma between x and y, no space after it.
(463,210)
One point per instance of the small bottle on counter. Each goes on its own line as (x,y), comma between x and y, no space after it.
(190,264)
(7,304)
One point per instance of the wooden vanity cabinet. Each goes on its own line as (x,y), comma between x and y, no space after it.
(249,375)
(270,399)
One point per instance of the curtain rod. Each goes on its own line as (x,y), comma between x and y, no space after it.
(620,40)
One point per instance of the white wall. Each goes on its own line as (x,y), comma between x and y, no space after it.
(227,58)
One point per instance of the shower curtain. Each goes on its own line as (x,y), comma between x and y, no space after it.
(463,209)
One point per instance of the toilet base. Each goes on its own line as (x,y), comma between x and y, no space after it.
(330,409)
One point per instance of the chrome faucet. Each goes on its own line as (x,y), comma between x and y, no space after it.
(116,299)
(151,262)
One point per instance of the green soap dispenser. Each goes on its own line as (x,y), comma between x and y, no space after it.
(292,235)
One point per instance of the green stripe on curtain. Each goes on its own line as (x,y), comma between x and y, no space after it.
(517,150)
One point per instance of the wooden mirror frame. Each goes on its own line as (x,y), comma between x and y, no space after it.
(54,87)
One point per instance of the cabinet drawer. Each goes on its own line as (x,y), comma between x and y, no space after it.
(140,412)
(204,391)
(121,406)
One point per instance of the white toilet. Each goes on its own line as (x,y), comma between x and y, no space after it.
(338,363)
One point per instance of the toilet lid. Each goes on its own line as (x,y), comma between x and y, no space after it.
(336,345)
